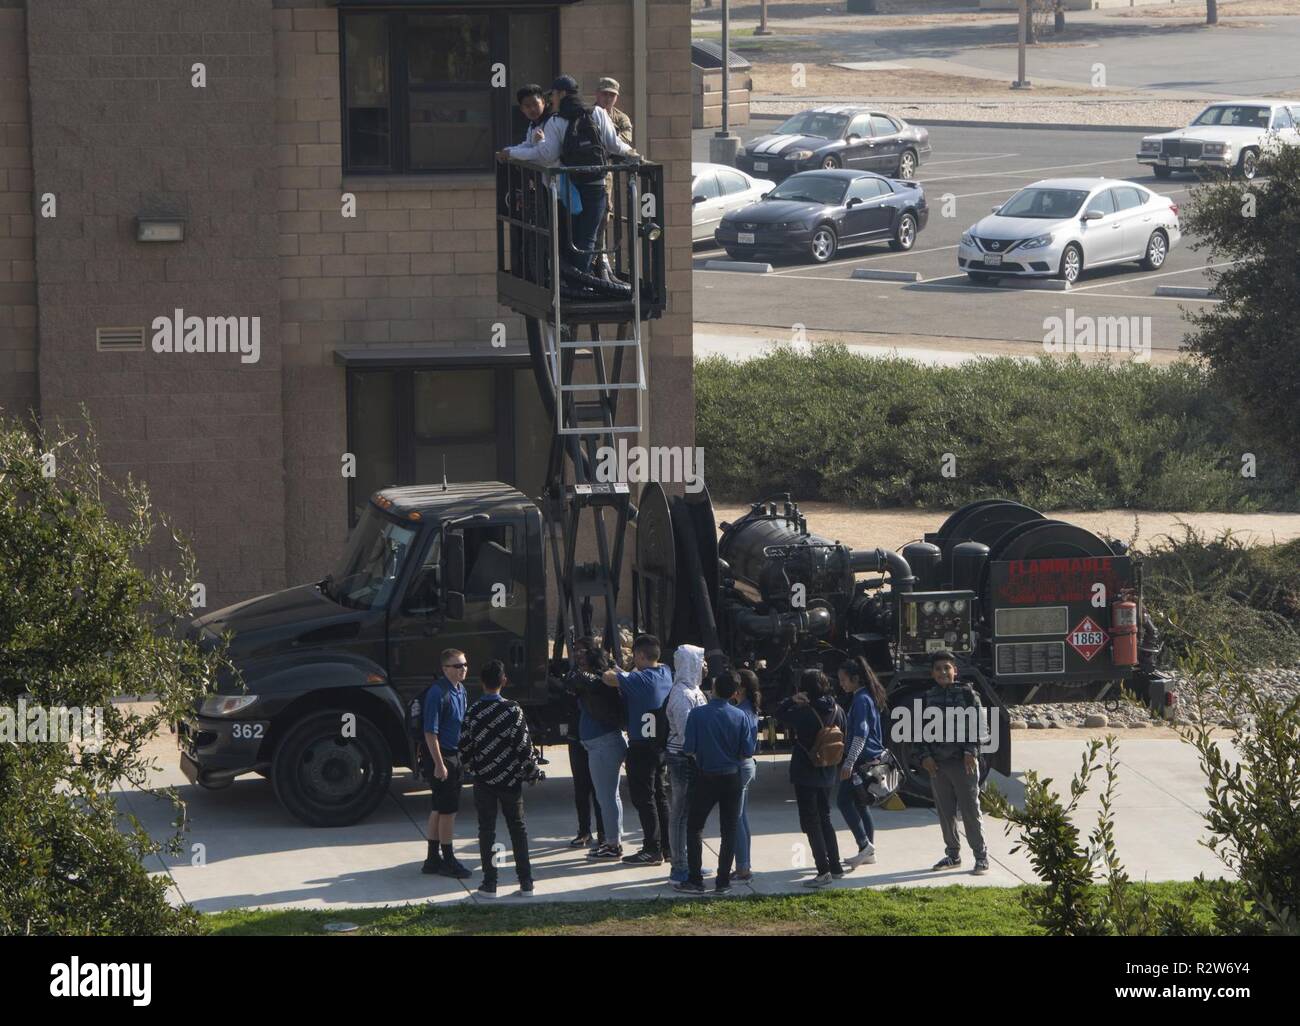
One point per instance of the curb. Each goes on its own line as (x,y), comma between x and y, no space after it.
(1185,292)
(1035,284)
(1039,125)
(737,265)
(871,274)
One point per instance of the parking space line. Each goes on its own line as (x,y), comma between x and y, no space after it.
(1027,170)
(968,160)
(870,256)
(1148,277)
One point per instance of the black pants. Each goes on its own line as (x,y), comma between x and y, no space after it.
(584,794)
(647,784)
(708,790)
(510,800)
(815,821)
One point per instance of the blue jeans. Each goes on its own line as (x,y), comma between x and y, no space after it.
(605,755)
(680,769)
(748,771)
(856,812)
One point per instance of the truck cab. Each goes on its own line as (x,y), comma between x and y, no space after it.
(327,672)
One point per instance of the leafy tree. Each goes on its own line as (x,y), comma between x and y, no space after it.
(1251,338)
(81,624)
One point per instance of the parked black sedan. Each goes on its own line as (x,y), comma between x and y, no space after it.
(842,135)
(814,213)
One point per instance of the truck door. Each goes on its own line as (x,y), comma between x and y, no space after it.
(495,620)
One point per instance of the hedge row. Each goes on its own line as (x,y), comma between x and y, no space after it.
(1055,434)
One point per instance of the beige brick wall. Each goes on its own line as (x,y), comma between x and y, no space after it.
(18,381)
(417,263)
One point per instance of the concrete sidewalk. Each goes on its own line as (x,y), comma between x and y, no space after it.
(255,855)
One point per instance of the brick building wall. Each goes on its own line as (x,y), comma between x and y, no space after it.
(245,458)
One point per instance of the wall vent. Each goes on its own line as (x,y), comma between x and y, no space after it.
(119,340)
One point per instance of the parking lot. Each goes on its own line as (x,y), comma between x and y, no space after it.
(973,169)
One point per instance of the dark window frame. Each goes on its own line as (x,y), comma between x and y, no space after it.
(502,103)
(404,414)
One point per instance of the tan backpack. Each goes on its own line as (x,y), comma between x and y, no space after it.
(828,746)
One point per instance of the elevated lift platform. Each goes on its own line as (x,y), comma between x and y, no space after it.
(604,293)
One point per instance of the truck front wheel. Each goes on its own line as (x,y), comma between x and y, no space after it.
(331,768)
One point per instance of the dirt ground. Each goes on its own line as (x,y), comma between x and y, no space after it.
(894,528)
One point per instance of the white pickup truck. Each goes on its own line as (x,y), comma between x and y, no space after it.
(1230,135)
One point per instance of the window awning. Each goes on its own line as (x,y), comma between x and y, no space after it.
(376,357)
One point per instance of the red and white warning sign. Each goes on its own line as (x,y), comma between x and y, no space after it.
(1087,638)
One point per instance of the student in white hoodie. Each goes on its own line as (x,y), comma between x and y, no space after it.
(688,665)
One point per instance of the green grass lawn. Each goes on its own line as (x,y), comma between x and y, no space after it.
(913,911)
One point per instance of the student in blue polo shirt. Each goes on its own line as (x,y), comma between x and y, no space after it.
(444,711)
(646,690)
(719,739)
(863,743)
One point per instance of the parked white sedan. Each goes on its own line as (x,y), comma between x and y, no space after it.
(1060,226)
(717,190)
(1231,136)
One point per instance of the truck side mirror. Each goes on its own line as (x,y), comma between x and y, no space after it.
(455,605)
(453,575)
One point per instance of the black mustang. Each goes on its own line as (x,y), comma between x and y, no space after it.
(816,212)
(854,138)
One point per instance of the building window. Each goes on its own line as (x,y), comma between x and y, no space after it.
(418,90)
(486,423)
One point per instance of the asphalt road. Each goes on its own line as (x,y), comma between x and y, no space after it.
(978,168)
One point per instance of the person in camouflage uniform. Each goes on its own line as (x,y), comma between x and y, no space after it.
(953,762)
(607,98)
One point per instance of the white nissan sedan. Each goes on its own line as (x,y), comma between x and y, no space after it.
(1061,226)
(716,190)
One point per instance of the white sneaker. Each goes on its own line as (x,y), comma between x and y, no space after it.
(866,855)
(820,880)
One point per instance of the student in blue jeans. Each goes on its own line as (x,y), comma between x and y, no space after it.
(686,695)
(863,743)
(600,729)
(749,700)
(646,691)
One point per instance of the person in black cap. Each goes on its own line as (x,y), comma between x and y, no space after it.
(953,762)
(575,128)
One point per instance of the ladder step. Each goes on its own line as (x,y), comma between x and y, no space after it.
(629,429)
(604,343)
(609,386)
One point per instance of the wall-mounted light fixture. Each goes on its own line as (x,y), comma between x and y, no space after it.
(159,229)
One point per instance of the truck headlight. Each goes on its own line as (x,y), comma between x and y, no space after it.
(1150,145)
(1215,149)
(1037,242)
(800,155)
(225,705)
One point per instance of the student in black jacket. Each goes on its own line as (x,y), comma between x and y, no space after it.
(499,753)
(580,688)
(804,715)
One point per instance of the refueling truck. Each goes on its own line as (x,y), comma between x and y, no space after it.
(326,673)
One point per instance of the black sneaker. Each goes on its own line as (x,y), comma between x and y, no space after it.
(606,851)
(581,841)
(837,873)
(645,858)
(947,862)
(722,888)
(981,867)
(456,869)
(525,888)
(431,866)
(487,889)
(686,887)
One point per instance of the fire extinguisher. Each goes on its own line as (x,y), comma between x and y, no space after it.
(1124,632)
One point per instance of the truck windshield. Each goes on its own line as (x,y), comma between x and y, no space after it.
(368,573)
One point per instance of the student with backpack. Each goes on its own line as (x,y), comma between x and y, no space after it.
(864,744)
(646,690)
(576,136)
(816,724)
(499,754)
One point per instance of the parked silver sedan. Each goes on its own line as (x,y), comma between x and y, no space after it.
(1061,226)
(717,190)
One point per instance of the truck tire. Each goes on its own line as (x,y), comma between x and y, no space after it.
(326,779)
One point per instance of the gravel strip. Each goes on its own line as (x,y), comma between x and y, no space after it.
(1280,684)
